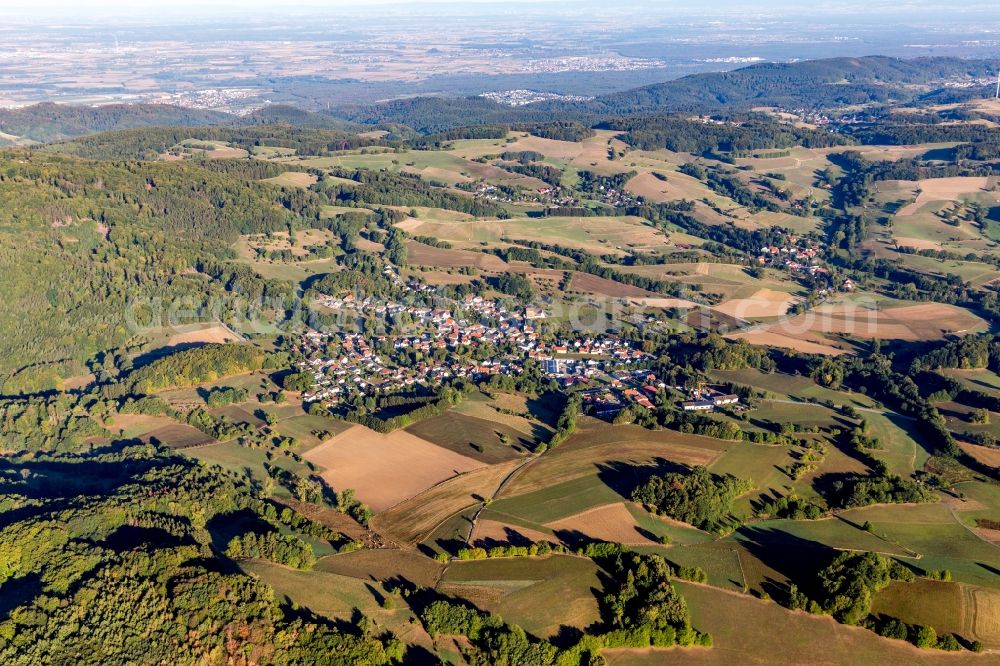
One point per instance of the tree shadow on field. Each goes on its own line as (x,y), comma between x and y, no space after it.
(826,486)
(511,537)
(757,504)
(793,557)
(573,538)
(992,569)
(450,546)
(418,655)
(566,637)
(377,594)
(624,478)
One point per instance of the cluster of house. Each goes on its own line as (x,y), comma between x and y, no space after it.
(707,399)
(357,368)
(616,198)
(579,361)
(348,363)
(796,258)
(640,387)
(637,387)
(808,116)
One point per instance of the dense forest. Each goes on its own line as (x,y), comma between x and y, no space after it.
(735,134)
(109,558)
(102,243)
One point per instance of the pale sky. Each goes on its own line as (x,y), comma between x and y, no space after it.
(192,8)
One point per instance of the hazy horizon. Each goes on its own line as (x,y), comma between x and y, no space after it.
(194,9)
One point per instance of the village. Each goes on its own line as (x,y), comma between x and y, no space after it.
(475,339)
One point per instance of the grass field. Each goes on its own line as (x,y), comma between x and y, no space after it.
(179,436)
(792,387)
(969,611)
(383,564)
(434,165)
(598,235)
(900,451)
(729,282)
(539,594)
(247,462)
(746,630)
(304,428)
(978,380)
(339,597)
(940,539)
(558,500)
(622,452)
(476,437)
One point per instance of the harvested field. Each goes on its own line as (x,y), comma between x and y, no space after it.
(944,189)
(138,425)
(769,338)
(591,153)
(425,255)
(385,469)
(987,455)
(489,533)
(199,334)
(594,284)
(926,321)
(763,303)
(292,179)
(917,243)
(969,611)
(413,520)
(611,522)
(664,303)
(677,186)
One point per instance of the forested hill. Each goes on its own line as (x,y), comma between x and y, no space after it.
(52,122)
(149,142)
(810,84)
(48,122)
(283,114)
(814,84)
